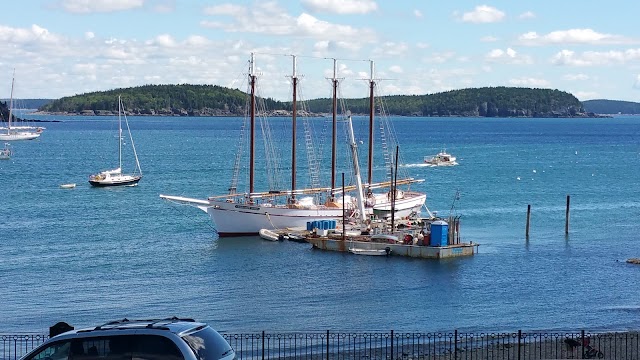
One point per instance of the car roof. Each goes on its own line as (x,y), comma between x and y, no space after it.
(173,324)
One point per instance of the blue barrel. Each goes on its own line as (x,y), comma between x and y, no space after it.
(325,224)
(309,225)
(439,233)
(333,224)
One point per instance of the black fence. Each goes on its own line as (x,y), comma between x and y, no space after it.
(329,345)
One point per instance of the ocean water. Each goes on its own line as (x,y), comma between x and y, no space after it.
(89,255)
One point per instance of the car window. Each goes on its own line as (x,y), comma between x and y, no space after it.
(58,350)
(207,344)
(153,347)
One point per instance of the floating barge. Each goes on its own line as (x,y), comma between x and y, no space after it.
(424,238)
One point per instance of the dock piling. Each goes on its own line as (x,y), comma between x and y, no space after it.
(528,221)
(566,223)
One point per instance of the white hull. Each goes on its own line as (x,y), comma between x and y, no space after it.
(370,252)
(234,219)
(18,136)
(67,186)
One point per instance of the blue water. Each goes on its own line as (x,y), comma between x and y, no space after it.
(88,255)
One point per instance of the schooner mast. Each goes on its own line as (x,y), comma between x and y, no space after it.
(334,81)
(372,84)
(252,152)
(294,78)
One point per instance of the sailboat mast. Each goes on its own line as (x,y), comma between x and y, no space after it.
(294,77)
(335,128)
(13,79)
(372,84)
(119,132)
(252,152)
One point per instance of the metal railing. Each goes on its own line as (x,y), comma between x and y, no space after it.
(327,345)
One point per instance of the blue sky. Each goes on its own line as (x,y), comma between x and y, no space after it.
(66,47)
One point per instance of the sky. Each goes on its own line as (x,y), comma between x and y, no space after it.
(61,48)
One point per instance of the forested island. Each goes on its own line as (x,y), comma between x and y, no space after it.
(211,100)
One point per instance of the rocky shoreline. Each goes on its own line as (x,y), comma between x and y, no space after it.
(207,112)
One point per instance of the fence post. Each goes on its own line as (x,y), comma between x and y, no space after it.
(391,344)
(327,344)
(519,342)
(455,344)
(262,344)
(582,342)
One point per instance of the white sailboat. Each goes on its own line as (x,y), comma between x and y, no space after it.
(13,132)
(115,177)
(238,214)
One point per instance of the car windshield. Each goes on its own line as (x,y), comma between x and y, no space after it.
(207,344)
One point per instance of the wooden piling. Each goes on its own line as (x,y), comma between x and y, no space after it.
(566,223)
(528,221)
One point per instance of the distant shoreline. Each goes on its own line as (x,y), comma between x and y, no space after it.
(284,113)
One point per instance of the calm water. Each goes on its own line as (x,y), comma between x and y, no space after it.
(90,255)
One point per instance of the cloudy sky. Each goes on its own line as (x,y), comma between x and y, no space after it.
(66,47)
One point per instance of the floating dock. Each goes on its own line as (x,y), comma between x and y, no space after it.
(423,238)
(395,249)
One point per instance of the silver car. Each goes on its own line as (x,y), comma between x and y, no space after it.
(159,339)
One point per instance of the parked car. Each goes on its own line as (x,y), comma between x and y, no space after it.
(158,339)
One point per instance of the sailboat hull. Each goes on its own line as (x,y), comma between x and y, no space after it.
(19,136)
(233,219)
(123,181)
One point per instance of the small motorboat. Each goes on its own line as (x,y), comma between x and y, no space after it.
(371,252)
(441,159)
(68,186)
(271,235)
(5,154)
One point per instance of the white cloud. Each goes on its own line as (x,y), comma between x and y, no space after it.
(422,45)
(593,58)
(417,13)
(574,36)
(483,14)
(636,84)
(529,82)
(323,48)
(165,40)
(489,39)
(164,6)
(575,77)
(527,15)
(440,58)
(586,95)
(196,40)
(390,49)
(225,9)
(270,19)
(100,6)
(396,69)
(341,6)
(508,56)
(35,34)
(89,35)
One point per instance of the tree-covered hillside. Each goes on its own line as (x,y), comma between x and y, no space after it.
(209,100)
(602,106)
(192,100)
(484,102)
